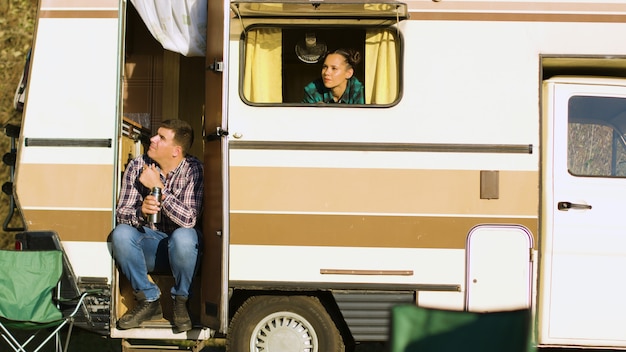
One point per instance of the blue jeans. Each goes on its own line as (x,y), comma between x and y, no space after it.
(139,251)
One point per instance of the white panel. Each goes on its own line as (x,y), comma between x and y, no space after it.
(441,300)
(89,259)
(67,155)
(458,77)
(162,334)
(77,98)
(385,160)
(303,264)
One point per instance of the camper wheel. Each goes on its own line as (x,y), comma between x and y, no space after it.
(283,324)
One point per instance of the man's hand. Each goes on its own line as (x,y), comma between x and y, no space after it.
(150,205)
(150,177)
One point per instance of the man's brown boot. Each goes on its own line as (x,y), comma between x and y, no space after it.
(182,322)
(142,312)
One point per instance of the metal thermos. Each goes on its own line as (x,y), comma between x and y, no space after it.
(155,218)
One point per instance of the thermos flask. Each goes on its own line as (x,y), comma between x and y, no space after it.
(155,218)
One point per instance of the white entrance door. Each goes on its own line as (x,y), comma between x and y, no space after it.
(582,298)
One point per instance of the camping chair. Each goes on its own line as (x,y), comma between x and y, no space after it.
(421,329)
(29,291)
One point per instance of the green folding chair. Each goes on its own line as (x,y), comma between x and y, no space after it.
(421,329)
(29,299)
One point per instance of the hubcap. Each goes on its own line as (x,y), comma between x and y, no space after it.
(284,332)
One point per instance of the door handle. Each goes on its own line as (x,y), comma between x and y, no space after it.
(565,206)
(219,133)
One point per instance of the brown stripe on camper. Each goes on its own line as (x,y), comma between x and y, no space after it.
(78,4)
(517,11)
(380,191)
(72,225)
(360,230)
(78,14)
(65,186)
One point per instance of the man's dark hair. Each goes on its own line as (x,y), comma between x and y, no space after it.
(183,133)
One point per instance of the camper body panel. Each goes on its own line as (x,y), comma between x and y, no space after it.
(326,184)
(445,197)
(366,194)
(67,154)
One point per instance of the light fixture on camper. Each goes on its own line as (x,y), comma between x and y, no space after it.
(310,50)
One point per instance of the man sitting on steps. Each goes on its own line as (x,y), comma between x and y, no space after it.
(140,246)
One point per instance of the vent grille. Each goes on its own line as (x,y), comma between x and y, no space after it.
(368,314)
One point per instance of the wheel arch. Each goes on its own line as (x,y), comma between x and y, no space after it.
(239,295)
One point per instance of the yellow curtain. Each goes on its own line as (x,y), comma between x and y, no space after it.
(381,73)
(263,66)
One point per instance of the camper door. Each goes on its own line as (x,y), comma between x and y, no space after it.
(584,245)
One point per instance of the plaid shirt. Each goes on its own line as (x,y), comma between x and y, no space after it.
(316,92)
(181,201)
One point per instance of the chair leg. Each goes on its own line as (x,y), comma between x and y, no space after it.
(15,345)
(52,334)
(11,343)
(69,334)
(58,346)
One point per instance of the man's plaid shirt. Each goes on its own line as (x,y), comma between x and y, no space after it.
(181,202)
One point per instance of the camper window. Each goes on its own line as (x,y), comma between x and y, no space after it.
(277,63)
(596,142)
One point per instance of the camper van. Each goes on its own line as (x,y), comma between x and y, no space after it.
(482,169)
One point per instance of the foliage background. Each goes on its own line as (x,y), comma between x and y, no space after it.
(16,35)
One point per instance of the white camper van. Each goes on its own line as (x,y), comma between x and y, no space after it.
(483,171)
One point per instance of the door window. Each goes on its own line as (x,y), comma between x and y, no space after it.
(596,144)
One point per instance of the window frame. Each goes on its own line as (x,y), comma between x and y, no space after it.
(577,114)
(334,25)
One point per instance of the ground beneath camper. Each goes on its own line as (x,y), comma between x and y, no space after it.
(86,341)
(82,341)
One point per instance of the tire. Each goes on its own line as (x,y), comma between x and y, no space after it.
(283,324)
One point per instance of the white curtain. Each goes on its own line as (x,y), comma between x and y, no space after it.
(179,25)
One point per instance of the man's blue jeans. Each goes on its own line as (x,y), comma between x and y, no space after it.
(139,251)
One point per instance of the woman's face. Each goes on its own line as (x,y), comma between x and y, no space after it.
(335,71)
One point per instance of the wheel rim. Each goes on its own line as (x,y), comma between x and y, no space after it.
(284,332)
